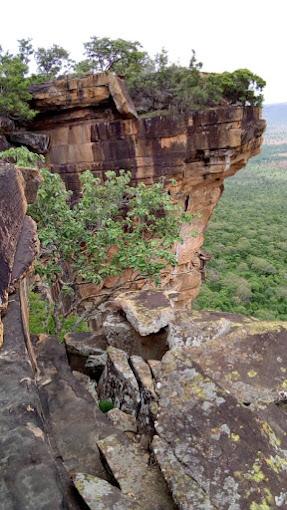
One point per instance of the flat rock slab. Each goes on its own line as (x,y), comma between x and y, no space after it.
(136,475)
(122,335)
(27,249)
(249,359)
(148,311)
(123,421)
(75,420)
(101,495)
(233,455)
(34,141)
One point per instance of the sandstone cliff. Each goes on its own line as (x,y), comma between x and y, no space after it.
(92,124)
(199,408)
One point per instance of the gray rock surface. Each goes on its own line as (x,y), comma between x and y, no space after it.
(148,311)
(101,495)
(75,421)
(86,353)
(122,335)
(122,421)
(34,141)
(148,406)
(136,475)
(118,382)
(221,430)
(30,478)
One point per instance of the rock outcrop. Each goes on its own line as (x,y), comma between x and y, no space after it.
(215,409)
(92,124)
(18,239)
(199,400)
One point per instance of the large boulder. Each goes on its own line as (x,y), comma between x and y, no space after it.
(221,426)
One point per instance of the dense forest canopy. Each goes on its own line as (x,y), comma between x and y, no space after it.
(247,235)
(155,83)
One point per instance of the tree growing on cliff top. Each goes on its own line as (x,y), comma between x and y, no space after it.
(155,84)
(53,61)
(118,55)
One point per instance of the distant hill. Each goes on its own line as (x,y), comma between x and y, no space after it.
(276,117)
(275,114)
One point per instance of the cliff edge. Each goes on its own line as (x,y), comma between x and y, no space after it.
(92,124)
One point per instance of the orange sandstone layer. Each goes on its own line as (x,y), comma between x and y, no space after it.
(92,125)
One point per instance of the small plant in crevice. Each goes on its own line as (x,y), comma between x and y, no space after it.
(106,405)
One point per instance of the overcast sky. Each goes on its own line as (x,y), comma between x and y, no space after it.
(226,34)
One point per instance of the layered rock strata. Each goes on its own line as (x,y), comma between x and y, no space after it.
(18,238)
(92,124)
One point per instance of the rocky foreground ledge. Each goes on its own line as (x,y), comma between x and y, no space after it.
(199,407)
(203,427)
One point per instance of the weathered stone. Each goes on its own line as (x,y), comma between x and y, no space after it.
(95,364)
(4,144)
(234,454)
(75,421)
(248,359)
(155,367)
(13,210)
(86,353)
(32,180)
(198,151)
(82,92)
(27,249)
(34,141)
(192,330)
(118,382)
(148,406)
(122,421)
(101,495)
(186,492)
(148,311)
(120,334)
(18,243)
(30,476)
(88,383)
(135,474)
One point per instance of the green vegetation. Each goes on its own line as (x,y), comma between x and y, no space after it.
(106,405)
(114,226)
(22,157)
(247,238)
(42,318)
(155,84)
(14,87)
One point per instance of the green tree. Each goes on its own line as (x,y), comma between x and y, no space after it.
(25,50)
(53,61)
(123,57)
(115,226)
(14,87)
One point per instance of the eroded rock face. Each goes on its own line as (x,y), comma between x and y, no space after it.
(101,495)
(86,120)
(18,239)
(221,426)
